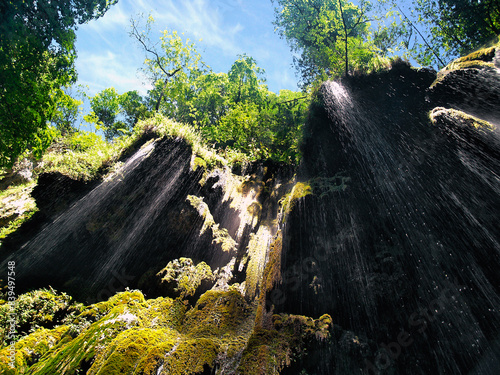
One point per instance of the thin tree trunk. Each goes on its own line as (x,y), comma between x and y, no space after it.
(345,39)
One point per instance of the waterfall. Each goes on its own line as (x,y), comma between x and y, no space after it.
(410,249)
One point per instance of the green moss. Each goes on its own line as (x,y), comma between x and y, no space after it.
(16,207)
(460,119)
(288,201)
(131,347)
(480,59)
(257,253)
(164,127)
(130,335)
(484,54)
(217,314)
(271,350)
(220,235)
(30,349)
(198,162)
(37,309)
(85,156)
(186,276)
(272,272)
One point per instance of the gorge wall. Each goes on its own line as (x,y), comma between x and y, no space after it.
(387,234)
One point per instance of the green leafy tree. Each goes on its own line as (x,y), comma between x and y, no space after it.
(171,67)
(133,107)
(246,80)
(456,27)
(106,107)
(331,36)
(67,112)
(36,59)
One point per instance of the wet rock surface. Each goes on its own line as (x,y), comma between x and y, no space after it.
(406,256)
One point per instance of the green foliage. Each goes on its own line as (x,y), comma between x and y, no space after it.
(16,207)
(171,68)
(66,113)
(185,276)
(36,60)
(105,107)
(457,26)
(234,111)
(85,155)
(330,36)
(133,108)
(41,308)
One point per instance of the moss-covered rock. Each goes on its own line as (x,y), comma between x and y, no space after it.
(44,308)
(30,349)
(271,350)
(471,83)
(460,120)
(299,190)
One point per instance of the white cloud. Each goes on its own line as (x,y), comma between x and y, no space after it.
(106,70)
(199,19)
(116,17)
(109,57)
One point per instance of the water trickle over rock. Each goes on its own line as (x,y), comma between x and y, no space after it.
(388,232)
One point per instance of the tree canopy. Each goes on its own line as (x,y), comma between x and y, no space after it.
(331,36)
(456,27)
(36,59)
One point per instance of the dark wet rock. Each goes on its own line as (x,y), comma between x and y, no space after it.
(471,84)
(55,192)
(411,245)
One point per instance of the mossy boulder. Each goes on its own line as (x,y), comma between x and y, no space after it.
(30,349)
(467,129)
(271,350)
(471,83)
(44,308)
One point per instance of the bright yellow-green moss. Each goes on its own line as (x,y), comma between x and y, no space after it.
(166,127)
(186,275)
(37,309)
(270,350)
(272,272)
(198,162)
(30,348)
(132,346)
(484,54)
(16,207)
(257,253)
(299,190)
(220,235)
(72,354)
(130,335)
(480,59)
(84,156)
(460,119)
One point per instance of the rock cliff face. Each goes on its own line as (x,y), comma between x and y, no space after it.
(387,235)
(405,255)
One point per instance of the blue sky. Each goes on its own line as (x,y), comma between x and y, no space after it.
(107,56)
